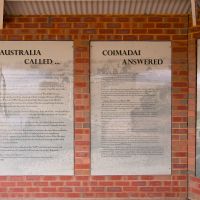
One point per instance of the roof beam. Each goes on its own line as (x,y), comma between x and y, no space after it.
(194,15)
(68,7)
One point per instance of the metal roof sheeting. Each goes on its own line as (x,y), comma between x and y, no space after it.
(68,7)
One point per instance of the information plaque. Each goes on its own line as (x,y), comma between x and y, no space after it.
(198,112)
(130,108)
(36,108)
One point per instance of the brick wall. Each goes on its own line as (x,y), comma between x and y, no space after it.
(82,29)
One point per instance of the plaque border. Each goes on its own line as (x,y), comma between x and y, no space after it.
(171,102)
(73,102)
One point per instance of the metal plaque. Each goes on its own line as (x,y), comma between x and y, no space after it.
(36,108)
(130,108)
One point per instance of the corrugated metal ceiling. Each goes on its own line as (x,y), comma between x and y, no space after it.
(67,7)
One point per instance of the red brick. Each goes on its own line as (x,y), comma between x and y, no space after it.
(155,31)
(64,25)
(58,19)
(115,177)
(8,31)
(49,178)
(139,19)
(172,19)
(89,31)
(7,184)
(122,183)
(113,25)
(139,31)
(81,84)
(16,190)
(90,19)
(56,183)
(106,31)
(179,37)
(122,19)
(139,183)
(155,183)
(33,178)
(155,19)
(31,25)
(179,25)
(180,84)
(24,184)
(80,25)
(73,19)
(153,194)
(106,183)
(163,25)
(82,60)
(122,195)
(74,31)
(24,19)
(130,189)
(82,189)
(115,37)
(98,189)
(82,166)
(146,37)
(3,178)
(122,31)
(72,183)
(31,37)
(3,190)
(130,37)
(147,177)
(163,37)
(40,183)
(73,195)
(48,189)
(98,178)
(40,19)
(148,25)
(15,37)
(106,19)
(114,189)
(65,189)
(163,189)
(41,195)
(146,189)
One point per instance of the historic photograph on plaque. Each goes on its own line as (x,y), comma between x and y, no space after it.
(36,108)
(130,108)
(198,112)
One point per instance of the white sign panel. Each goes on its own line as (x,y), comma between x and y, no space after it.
(130,108)
(198,112)
(36,108)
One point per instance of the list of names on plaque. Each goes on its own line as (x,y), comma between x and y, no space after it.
(130,108)
(36,108)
